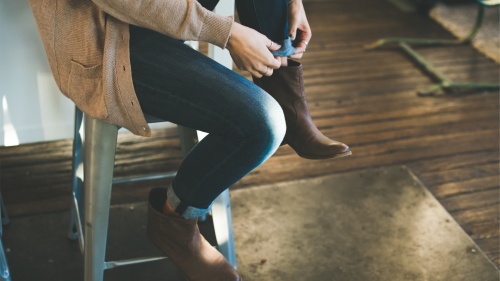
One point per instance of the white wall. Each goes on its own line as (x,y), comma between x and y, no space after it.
(32,108)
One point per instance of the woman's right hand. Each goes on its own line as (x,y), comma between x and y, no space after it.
(250,51)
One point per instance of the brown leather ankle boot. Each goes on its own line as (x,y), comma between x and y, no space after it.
(181,241)
(286,85)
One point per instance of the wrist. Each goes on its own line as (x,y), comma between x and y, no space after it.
(230,39)
(233,35)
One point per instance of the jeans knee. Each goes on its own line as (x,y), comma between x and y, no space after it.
(272,125)
(277,126)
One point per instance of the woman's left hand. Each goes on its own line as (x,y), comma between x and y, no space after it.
(299,29)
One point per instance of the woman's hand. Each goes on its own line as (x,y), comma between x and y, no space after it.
(250,51)
(299,27)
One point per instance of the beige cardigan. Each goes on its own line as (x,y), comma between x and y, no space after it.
(87,45)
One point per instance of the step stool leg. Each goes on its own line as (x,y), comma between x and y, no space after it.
(100,147)
(223,226)
(77,202)
(4,267)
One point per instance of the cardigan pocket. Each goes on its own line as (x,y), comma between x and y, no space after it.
(85,88)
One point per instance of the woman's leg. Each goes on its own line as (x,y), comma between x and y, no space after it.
(286,85)
(245,125)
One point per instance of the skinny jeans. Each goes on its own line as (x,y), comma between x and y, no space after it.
(245,125)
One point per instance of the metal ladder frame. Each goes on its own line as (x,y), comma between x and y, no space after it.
(444,83)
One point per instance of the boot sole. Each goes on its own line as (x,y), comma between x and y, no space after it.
(318,157)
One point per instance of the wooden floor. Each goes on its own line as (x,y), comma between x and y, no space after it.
(363,98)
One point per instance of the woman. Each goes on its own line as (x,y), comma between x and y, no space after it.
(119,59)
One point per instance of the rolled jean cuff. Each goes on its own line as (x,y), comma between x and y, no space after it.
(184,210)
(286,48)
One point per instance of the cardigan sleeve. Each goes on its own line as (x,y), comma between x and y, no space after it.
(180,19)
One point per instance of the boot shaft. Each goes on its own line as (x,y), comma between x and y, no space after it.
(286,86)
(286,83)
(179,229)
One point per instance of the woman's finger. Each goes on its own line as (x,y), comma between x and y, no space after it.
(263,71)
(255,73)
(296,56)
(251,51)
(273,46)
(274,63)
(268,72)
(301,47)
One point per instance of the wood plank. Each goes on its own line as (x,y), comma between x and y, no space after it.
(484,230)
(477,215)
(457,161)
(460,174)
(467,186)
(471,201)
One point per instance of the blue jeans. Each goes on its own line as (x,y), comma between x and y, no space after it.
(269,17)
(245,125)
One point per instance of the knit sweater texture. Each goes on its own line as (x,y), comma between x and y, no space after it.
(87,46)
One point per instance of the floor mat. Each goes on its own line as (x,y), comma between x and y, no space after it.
(459,19)
(372,225)
(377,225)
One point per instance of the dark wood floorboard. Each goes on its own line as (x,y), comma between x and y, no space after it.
(363,98)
